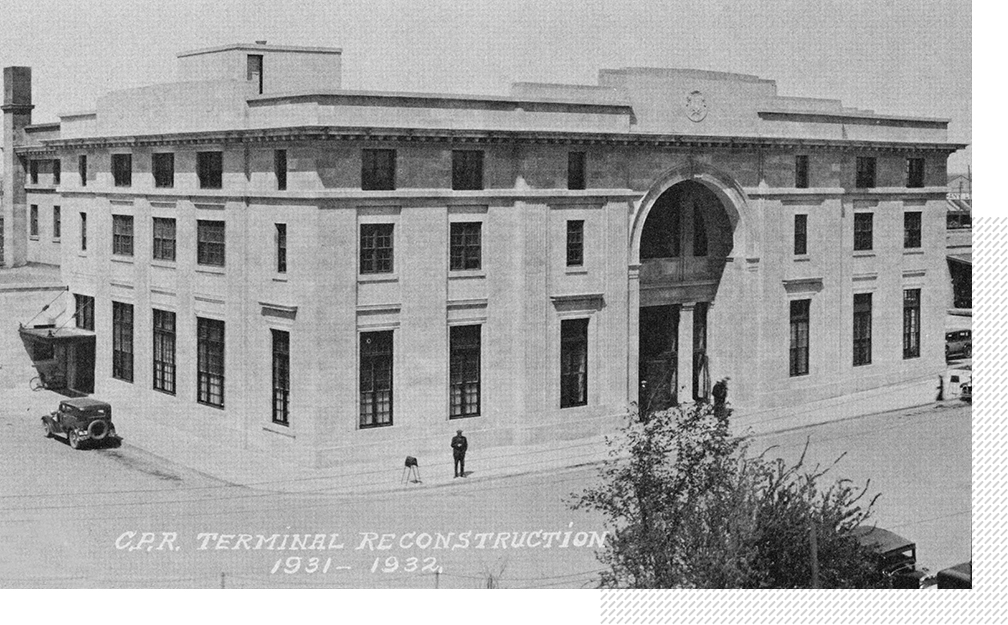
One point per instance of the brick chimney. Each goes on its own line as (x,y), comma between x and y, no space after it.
(17,107)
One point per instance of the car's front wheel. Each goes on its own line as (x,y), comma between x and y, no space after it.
(74,439)
(47,428)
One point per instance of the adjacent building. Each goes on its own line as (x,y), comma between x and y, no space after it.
(271,260)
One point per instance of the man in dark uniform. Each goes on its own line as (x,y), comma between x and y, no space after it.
(459,444)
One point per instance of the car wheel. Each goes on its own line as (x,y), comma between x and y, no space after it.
(74,439)
(47,428)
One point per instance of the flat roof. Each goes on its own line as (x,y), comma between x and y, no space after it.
(261,47)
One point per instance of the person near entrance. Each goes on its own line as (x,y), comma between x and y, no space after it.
(459,445)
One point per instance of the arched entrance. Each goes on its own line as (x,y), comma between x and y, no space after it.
(687,228)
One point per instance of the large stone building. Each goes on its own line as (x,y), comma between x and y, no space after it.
(276,262)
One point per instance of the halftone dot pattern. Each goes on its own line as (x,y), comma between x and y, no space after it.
(985,602)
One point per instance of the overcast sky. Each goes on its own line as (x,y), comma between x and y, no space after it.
(908,57)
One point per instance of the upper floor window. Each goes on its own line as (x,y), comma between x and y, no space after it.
(122,235)
(699,230)
(378,170)
(84,312)
(57,167)
(163,165)
(915,172)
(376,248)
(467,170)
(83,232)
(122,170)
(800,234)
(280,168)
(82,169)
(210,243)
(575,170)
(863,225)
(210,169)
(466,245)
(33,221)
(254,70)
(912,229)
(801,177)
(33,169)
(865,172)
(575,242)
(281,248)
(57,223)
(164,238)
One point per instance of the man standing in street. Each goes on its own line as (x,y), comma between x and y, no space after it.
(459,444)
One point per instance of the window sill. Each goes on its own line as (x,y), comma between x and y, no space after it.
(272,429)
(210,269)
(466,274)
(280,278)
(463,417)
(913,252)
(82,254)
(128,260)
(802,258)
(164,392)
(56,240)
(208,405)
(377,426)
(165,264)
(33,237)
(378,277)
(864,253)
(577,270)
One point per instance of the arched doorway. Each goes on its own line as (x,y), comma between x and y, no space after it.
(686,235)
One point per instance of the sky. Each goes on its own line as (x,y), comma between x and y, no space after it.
(907,57)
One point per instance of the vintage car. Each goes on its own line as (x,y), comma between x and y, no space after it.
(897,556)
(81,420)
(958,576)
(958,344)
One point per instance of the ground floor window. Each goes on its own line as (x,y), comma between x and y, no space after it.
(375,379)
(281,377)
(911,323)
(573,362)
(164,350)
(862,329)
(210,362)
(464,371)
(799,354)
(122,341)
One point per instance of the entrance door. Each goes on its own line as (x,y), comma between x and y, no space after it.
(658,364)
(84,366)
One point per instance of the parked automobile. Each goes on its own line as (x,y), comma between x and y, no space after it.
(958,576)
(966,391)
(958,344)
(897,556)
(81,420)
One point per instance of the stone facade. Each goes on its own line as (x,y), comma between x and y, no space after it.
(727,141)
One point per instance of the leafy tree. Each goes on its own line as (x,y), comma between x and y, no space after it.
(689,507)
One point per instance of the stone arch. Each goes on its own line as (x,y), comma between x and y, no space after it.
(724,186)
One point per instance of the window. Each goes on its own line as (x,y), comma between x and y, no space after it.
(57,224)
(280,168)
(911,323)
(575,242)
(464,371)
(84,312)
(375,379)
(210,362)
(82,169)
(376,248)
(122,170)
(33,171)
(210,243)
(915,172)
(33,218)
(862,328)
(801,235)
(912,229)
(281,248)
(699,231)
(281,377)
(799,354)
(122,341)
(467,170)
(465,246)
(122,235)
(863,231)
(164,351)
(83,232)
(801,178)
(164,238)
(378,170)
(163,165)
(57,167)
(576,170)
(573,362)
(254,70)
(210,169)
(865,172)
